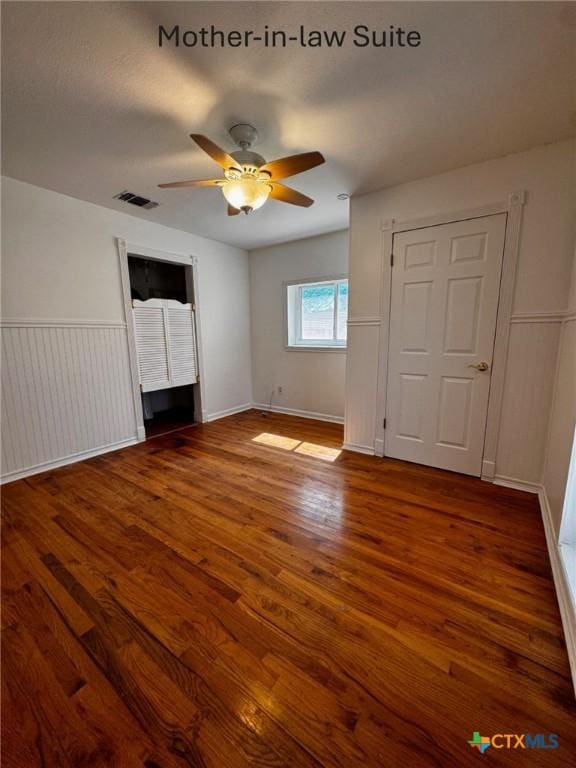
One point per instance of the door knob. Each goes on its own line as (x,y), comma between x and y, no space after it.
(480,366)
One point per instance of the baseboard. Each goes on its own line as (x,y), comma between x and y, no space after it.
(207,417)
(302,414)
(47,466)
(563,593)
(366,449)
(519,485)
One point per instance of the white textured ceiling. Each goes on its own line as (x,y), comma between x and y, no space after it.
(92,106)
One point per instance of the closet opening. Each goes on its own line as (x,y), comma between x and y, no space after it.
(166,410)
(163,316)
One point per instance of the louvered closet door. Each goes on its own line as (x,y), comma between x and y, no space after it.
(165,343)
(151,347)
(182,345)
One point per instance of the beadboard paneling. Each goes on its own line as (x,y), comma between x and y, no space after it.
(561,430)
(361,381)
(530,372)
(66,390)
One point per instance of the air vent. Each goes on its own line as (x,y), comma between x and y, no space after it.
(141,202)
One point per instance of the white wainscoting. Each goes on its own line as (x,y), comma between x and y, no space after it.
(528,388)
(66,393)
(361,383)
(529,382)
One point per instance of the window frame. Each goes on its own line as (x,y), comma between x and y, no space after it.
(293,340)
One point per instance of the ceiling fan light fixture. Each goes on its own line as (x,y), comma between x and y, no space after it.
(248,179)
(246,193)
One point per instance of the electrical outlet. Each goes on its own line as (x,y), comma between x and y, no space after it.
(279,390)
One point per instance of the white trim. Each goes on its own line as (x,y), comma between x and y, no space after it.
(152,253)
(561,584)
(72,459)
(297,412)
(355,448)
(538,317)
(125,248)
(502,335)
(512,207)
(293,315)
(568,559)
(317,348)
(193,291)
(514,482)
(375,320)
(314,280)
(450,218)
(385,271)
(130,333)
(207,417)
(31,322)
(488,470)
(567,533)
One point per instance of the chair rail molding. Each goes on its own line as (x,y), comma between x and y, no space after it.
(31,322)
(538,317)
(374,320)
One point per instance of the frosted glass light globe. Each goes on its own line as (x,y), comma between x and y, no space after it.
(246,194)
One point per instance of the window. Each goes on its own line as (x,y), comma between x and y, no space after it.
(317,313)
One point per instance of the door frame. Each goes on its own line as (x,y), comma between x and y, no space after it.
(512,207)
(192,288)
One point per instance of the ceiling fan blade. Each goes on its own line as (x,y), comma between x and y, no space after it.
(233,211)
(196,183)
(290,166)
(223,159)
(289,195)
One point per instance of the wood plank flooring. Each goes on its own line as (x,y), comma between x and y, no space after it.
(240,594)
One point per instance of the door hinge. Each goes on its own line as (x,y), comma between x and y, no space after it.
(384,423)
(391,259)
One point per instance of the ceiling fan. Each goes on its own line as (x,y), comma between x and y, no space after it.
(248,179)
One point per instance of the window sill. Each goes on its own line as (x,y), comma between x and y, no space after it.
(313,348)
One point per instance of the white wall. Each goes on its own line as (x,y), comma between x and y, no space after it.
(563,415)
(542,285)
(60,263)
(312,381)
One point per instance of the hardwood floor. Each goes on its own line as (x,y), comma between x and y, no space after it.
(238,594)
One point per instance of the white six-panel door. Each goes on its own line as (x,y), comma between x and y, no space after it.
(445,287)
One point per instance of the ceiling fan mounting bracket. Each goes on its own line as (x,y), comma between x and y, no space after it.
(249,161)
(243,135)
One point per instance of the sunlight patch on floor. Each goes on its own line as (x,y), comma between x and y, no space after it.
(276,441)
(298,446)
(318,451)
